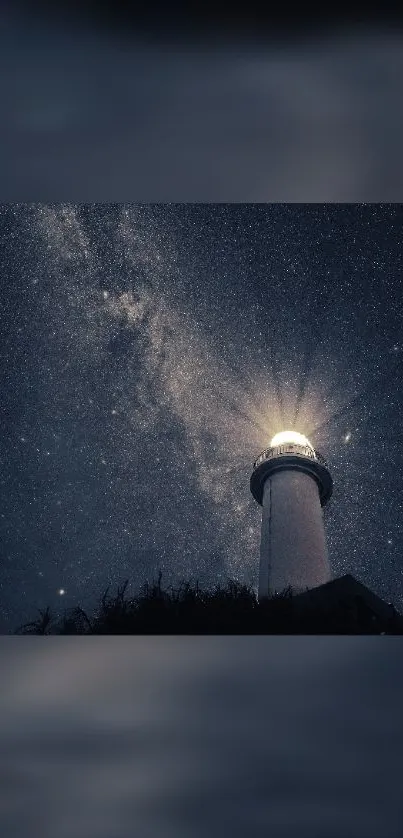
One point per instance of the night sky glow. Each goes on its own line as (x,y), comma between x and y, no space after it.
(151,352)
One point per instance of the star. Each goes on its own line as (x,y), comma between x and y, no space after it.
(205,329)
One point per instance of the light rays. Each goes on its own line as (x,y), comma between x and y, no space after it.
(377,385)
(277,385)
(309,356)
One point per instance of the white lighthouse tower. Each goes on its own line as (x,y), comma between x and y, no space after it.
(292,483)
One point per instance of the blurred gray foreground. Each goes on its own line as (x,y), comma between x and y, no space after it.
(201,736)
(88,115)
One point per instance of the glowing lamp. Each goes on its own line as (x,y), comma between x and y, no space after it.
(290,437)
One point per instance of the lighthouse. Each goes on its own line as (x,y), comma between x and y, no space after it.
(292,483)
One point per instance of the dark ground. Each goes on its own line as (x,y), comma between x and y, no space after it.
(233,610)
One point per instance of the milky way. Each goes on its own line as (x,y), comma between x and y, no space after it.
(151,351)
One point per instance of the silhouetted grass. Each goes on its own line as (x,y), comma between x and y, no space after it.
(233,609)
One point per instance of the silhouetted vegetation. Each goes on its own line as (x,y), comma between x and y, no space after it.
(233,609)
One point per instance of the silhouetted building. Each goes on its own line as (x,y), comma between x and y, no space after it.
(345,605)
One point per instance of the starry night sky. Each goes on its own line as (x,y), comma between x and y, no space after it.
(150,352)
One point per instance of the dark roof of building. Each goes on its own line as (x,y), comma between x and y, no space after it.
(351,601)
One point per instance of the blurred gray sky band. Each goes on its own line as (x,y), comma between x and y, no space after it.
(88,115)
